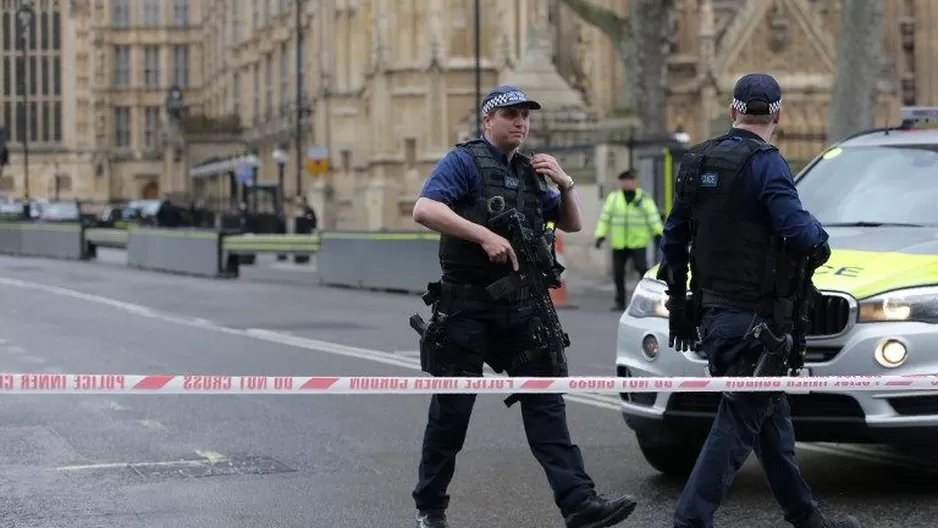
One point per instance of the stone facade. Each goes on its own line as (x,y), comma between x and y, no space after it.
(388,86)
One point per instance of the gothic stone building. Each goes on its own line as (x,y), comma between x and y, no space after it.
(387,87)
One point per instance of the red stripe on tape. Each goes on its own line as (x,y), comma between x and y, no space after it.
(153,382)
(899,383)
(697,384)
(537,384)
(319,383)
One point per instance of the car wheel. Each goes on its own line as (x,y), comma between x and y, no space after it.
(671,458)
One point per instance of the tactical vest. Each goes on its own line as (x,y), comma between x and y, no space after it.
(734,259)
(466,262)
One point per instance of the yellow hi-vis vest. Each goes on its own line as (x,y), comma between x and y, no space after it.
(629,225)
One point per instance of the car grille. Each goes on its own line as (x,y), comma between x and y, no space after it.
(802,405)
(831,316)
(915,405)
(638,398)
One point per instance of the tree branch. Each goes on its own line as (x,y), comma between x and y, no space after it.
(606,20)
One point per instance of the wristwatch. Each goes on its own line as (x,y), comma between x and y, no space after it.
(569,186)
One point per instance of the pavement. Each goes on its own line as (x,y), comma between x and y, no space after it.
(325,461)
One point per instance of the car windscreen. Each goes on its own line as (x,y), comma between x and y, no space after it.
(873,185)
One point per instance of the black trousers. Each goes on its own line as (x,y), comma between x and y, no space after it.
(495,333)
(745,423)
(620,257)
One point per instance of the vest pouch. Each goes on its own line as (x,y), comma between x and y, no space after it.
(516,186)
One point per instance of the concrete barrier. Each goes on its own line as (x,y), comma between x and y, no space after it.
(184,251)
(50,240)
(106,237)
(399,261)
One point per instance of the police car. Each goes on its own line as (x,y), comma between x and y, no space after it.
(876,193)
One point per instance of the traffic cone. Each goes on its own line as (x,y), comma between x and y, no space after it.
(561,296)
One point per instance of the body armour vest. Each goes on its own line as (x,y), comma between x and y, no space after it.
(466,262)
(733,257)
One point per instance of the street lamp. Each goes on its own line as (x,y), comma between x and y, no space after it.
(280,158)
(477,44)
(25,15)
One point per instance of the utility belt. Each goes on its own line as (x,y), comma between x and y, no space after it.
(450,297)
(763,307)
(447,300)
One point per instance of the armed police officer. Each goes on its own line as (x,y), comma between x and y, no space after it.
(472,181)
(738,223)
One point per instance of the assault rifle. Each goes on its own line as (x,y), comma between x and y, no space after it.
(538,271)
(785,355)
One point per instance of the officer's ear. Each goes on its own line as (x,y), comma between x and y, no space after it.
(487,118)
(734,114)
(776,117)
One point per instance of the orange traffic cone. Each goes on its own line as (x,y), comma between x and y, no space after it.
(561,296)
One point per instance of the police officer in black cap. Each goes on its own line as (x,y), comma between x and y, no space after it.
(455,201)
(737,209)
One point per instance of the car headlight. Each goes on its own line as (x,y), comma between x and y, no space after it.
(648,299)
(912,304)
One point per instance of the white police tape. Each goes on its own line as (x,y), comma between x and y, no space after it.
(222,384)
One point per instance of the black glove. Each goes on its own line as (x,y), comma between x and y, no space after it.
(682,328)
(599,242)
(819,255)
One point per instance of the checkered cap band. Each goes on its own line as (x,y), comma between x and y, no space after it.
(741,106)
(506,98)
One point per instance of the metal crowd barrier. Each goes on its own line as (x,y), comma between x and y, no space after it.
(397,261)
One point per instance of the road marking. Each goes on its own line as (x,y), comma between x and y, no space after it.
(115,406)
(152,424)
(211,457)
(32,359)
(602,401)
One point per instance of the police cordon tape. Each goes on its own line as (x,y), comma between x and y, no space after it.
(221,384)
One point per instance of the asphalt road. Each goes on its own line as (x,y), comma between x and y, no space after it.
(316,461)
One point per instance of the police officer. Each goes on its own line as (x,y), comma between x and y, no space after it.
(630,219)
(454,202)
(735,202)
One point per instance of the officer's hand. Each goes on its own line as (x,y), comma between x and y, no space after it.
(599,242)
(682,332)
(499,250)
(548,166)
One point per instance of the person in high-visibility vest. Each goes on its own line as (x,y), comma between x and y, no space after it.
(630,219)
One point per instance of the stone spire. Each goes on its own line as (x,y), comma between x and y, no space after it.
(535,73)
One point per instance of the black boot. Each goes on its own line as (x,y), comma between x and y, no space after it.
(600,512)
(431,519)
(817,520)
